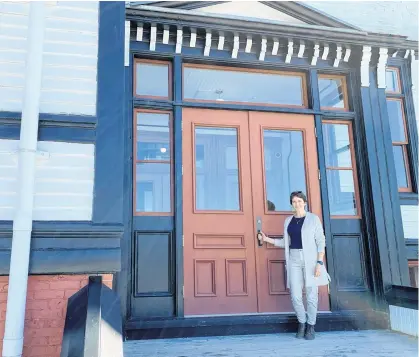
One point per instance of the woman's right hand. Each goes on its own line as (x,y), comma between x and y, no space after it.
(262,236)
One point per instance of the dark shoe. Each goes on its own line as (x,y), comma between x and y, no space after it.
(301,330)
(310,334)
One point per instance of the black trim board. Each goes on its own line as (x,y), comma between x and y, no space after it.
(412,249)
(251,324)
(403,296)
(66,248)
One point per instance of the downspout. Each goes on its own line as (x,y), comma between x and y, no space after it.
(22,223)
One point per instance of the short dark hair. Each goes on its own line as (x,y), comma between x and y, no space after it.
(299,194)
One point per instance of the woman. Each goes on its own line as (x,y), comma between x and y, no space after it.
(304,244)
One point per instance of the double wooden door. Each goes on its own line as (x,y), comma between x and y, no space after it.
(240,167)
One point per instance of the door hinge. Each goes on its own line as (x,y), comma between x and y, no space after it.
(315,131)
(181,125)
(183,290)
(182,170)
(183,240)
(319,175)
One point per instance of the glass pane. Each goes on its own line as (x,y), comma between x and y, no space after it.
(331,93)
(217,169)
(392,81)
(152,80)
(395,116)
(399,161)
(284,167)
(153,187)
(336,145)
(153,136)
(342,201)
(237,86)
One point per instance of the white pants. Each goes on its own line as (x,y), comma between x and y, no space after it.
(297,283)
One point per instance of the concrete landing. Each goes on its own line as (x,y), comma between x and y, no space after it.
(369,343)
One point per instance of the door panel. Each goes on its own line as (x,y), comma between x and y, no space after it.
(283,159)
(219,241)
(239,166)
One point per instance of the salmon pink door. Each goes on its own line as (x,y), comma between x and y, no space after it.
(239,167)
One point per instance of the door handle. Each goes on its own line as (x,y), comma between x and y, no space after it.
(258,230)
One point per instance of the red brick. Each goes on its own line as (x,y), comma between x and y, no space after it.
(55,340)
(44,332)
(69,293)
(65,284)
(37,304)
(35,351)
(37,285)
(36,341)
(47,314)
(49,294)
(55,304)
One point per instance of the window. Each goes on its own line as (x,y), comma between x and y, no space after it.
(398,129)
(152,79)
(221,84)
(333,92)
(152,163)
(413,273)
(342,183)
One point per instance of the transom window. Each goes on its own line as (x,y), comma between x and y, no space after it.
(244,85)
(152,79)
(333,92)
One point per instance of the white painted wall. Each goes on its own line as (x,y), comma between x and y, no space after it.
(63,182)
(410,215)
(69,82)
(249,9)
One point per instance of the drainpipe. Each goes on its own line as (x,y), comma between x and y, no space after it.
(22,223)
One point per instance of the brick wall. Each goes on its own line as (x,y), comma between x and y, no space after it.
(46,308)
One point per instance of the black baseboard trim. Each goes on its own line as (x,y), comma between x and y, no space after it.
(250,324)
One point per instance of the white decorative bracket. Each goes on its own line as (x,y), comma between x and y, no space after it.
(316,54)
(192,41)
(166,34)
(179,40)
(338,56)
(275,46)
(347,54)
(381,67)
(207,48)
(139,32)
(248,44)
(153,37)
(126,42)
(263,47)
(365,66)
(325,51)
(290,51)
(236,45)
(406,55)
(221,40)
(301,49)
(395,54)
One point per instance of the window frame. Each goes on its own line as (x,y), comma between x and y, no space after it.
(345,92)
(399,96)
(301,74)
(135,161)
(170,82)
(353,168)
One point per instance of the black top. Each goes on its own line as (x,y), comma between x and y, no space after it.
(294,231)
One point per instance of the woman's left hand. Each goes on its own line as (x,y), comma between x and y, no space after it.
(317,271)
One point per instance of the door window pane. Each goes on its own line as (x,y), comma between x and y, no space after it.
(239,86)
(332,92)
(153,187)
(216,169)
(341,189)
(399,161)
(284,167)
(153,136)
(337,145)
(152,79)
(392,80)
(395,116)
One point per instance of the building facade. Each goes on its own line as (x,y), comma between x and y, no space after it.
(170,132)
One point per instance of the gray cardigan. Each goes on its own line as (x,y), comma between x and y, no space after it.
(313,240)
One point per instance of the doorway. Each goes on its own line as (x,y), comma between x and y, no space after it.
(238,167)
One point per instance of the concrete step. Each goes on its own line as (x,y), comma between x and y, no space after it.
(366,343)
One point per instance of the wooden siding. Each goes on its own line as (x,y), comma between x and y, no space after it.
(410,217)
(69,82)
(63,181)
(404,320)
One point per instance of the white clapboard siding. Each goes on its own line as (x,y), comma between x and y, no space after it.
(404,320)
(69,73)
(410,217)
(63,181)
